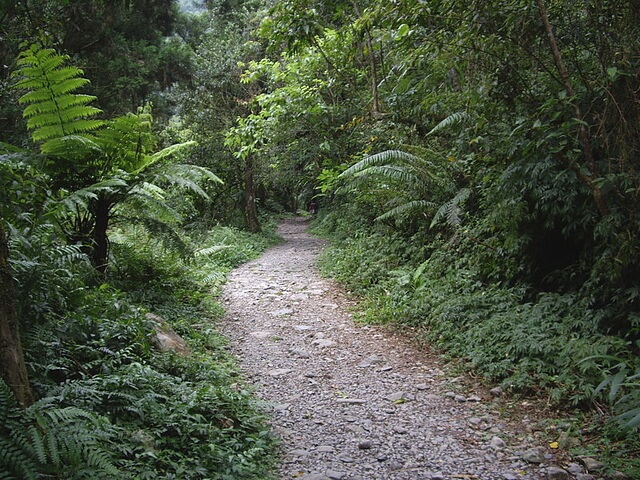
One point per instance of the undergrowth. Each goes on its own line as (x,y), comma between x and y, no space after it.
(549,345)
(111,404)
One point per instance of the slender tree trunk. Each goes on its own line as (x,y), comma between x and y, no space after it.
(583,135)
(100,253)
(250,197)
(376,109)
(12,365)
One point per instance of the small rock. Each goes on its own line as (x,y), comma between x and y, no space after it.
(574,469)
(591,464)
(400,430)
(422,386)
(344,458)
(352,401)
(365,444)
(395,466)
(450,395)
(584,476)
(397,397)
(474,398)
(300,353)
(277,372)
(510,476)
(303,328)
(324,343)
(475,421)
(281,407)
(166,339)
(437,476)
(299,452)
(369,361)
(313,476)
(262,335)
(534,455)
(334,475)
(556,473)
(496,392)
(497,443)
(282,312)
(460,398)
(357,429)
(325,449)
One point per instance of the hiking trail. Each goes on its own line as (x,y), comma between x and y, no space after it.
(351,401)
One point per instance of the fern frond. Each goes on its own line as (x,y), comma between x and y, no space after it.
(205,252)
(382,158)
(412,206)
(170,151)
(393,173)
(453,119)
(125,142)
(53,110)
(452,210)
(71,146)
(189,177)
(213,278)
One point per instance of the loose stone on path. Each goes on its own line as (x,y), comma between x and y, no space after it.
(351,402)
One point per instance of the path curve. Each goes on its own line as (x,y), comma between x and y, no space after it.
(351,401)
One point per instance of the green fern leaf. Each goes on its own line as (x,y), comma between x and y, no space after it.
(413,206)
(452,210)
(382,158)
(53,110)
(453,119)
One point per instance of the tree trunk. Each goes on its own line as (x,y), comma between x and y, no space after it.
(375,107)
(590,178)
(12,365)
(253,225)
(100,253)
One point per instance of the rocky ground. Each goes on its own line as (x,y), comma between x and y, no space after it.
(356,402)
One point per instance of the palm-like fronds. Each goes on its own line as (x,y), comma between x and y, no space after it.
(416,184)
(413,206)
(188,176)
(53,110)
(453,119)
(451,211)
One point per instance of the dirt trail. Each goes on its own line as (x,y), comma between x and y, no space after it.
(354,402)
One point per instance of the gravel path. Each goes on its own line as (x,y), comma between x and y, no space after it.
(355,402)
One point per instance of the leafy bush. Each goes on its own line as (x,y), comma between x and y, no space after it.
(93,359)
(47,440)
(528,343)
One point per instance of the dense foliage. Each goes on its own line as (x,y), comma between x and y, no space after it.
(475,164)
(100,248)
(110,405)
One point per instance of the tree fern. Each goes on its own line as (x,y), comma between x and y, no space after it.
(415,183)
(53,109)
(102,164)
